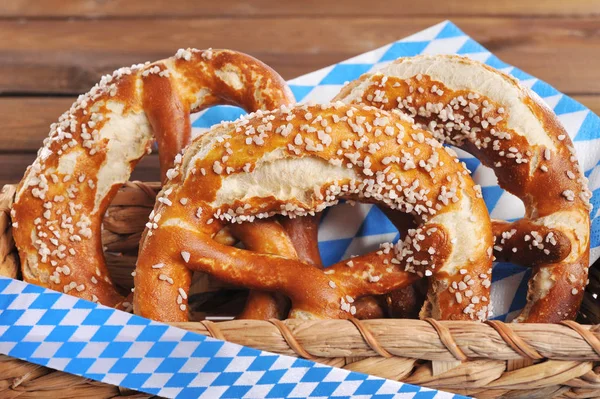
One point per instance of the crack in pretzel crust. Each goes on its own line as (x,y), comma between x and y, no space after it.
(93,148)
(509,128)
(296,161)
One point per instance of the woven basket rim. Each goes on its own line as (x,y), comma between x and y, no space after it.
(488,359)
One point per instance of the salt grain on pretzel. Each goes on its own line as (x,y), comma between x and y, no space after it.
(301,179)
(511,130)
(93,148)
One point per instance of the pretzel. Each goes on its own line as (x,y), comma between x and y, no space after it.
(509,128)
(297,161)
(92,150)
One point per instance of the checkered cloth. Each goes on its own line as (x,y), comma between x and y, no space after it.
(80,337)
(347,230)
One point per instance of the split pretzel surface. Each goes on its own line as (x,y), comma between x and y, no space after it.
(296,161)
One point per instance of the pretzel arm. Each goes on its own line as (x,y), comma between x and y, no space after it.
(169,115)
(258,271)
(298,240)
(363,278)
(264,272)
(528,244)
(368,275)
(242,261)
(431,248)
(268,237)
(303,232)
(265,236)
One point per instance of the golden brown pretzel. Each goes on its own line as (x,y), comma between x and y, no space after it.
(299,160)
(510,129)
(92,150)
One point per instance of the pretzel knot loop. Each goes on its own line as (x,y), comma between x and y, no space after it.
(91,151)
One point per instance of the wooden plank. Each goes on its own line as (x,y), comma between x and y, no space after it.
(12,168)
(26,119)
(561,51)
(260,8)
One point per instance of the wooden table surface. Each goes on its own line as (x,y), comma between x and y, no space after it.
(53,50)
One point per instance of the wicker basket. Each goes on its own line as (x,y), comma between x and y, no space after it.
(483,360)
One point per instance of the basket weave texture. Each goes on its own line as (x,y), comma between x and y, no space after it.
(484,360)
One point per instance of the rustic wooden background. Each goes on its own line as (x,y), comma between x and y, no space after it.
(52,50)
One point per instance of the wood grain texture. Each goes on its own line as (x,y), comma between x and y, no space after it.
(56,56)
(236,8)
(26,121)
